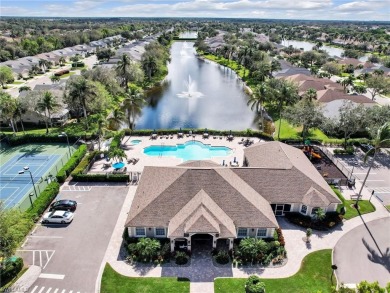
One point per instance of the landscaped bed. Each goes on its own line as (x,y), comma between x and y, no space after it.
(114,282)
(313,276)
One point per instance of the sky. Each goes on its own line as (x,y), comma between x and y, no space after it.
(280,9)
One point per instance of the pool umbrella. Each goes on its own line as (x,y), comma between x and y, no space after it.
(230,132)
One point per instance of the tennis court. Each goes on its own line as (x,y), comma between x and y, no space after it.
(42,161)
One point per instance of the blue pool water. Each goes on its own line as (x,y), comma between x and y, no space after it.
(191,150)
(135,141)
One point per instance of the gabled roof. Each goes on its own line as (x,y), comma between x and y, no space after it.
(169,195)
(315,198)
(329,95)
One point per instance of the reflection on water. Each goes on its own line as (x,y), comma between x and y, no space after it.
(196,94)
(307,46)
(188,35)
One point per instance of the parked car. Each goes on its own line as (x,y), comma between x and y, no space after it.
(366,147)
(58,217)
(63,205)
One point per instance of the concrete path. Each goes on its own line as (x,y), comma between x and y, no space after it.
(202,272)
(364,254)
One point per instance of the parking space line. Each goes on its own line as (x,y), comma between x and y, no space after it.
(63,291)
(56,290)
(54,237)
(40,258)
(48,259)
(51,276)
(35,288)
(48,291)
(33,257)
(40,291)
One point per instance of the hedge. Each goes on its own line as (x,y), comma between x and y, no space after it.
(101,177)
(11,269)
(330,221)
(74,160)
(116,141)
(248,132)
(84,163)
(43,200)
(33,138)
(349,151)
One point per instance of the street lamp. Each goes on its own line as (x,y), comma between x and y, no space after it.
(67,139)
(29,196)
(27,169)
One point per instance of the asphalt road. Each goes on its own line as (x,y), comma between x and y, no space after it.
(70,254)
(364,254)
(379,178)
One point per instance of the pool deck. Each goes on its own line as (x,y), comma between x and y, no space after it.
(136,151)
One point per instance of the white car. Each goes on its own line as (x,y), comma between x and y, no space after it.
(58,217)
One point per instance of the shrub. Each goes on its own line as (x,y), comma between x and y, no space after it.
(280,237)
(331,220)
(254,285)
(10,270)
(43,200)
(33,138)
(84,163)
(74,160)
(101,178)
(365,287)
(349,151)
(181,258)
(222,257)
(116,141)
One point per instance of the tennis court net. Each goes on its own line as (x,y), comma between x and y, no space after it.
(19,179)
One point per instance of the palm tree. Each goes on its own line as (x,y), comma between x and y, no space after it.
(20,109)
(123,70)
(35,69)
(132,106)
(257,99)
(55,78)
(62,60)
(115,119)
(101,124)
(347,82)
(275,66)
(43,64)
(285,93)
(381,140)
(46,104)
(310,95)
(149,64)
(7,108)
(81,89)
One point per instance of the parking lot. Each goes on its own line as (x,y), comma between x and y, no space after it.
(379,178)
(70,254)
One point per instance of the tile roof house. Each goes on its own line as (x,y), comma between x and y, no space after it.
(202,198)
(305,82)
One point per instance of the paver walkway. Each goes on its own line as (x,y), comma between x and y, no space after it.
(202,272)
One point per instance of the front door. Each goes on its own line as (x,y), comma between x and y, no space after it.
(279,210)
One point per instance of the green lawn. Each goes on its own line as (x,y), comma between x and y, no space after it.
(313,276)
(67,74)
(365,206)
(17,82)
(112,282)
(229,63)
(289,131)
(388,207)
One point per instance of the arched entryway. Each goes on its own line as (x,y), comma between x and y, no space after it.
(202,242)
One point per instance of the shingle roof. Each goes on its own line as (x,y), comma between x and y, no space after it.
(329,95)
(200,163)
(158,202)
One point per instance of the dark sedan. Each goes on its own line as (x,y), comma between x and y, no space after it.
(63,205)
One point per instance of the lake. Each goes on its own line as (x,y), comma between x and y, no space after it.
(197,94)
(307,46)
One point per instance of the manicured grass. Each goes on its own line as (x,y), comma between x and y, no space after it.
(67,74)
(17,82)
(313,276)
(112,282)
(388,207)
(289,131)
(365,206)
(229,63)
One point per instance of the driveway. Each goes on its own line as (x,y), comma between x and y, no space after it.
(364,254)
(70,255)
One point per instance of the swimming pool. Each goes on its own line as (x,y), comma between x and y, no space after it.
(191,150)
(135,141)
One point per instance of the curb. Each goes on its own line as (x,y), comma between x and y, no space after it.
(26,280)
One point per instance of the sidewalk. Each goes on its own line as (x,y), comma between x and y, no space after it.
(297,249)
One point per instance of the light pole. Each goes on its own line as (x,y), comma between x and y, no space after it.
(27,169)
(29,196)
(67,139)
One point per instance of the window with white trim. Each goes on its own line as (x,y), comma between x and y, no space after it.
(303,209)
(261,232)
(242,232)
(160,232)
(140,232)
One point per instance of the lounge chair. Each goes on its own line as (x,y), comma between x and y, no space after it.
(129,161)
(135,161)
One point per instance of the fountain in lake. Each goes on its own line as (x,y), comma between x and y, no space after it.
(191,90)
